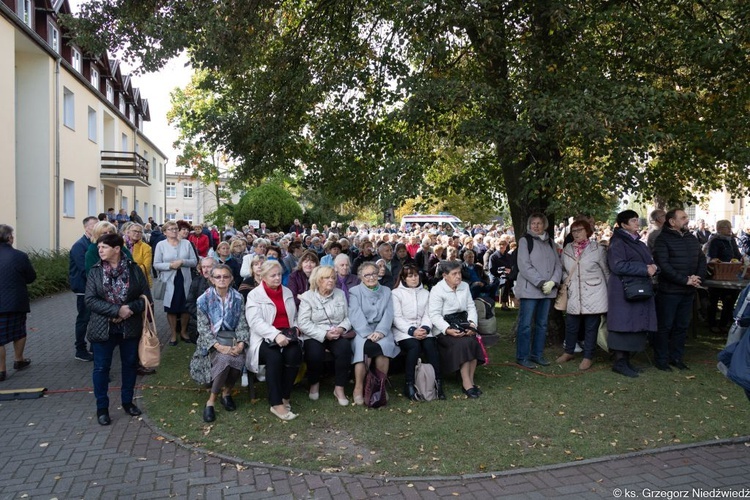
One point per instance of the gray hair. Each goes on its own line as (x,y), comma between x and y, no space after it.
(6,233)
(365,265)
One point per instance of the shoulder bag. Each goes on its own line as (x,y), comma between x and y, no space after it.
(561,301)
(637,288)
(149,348)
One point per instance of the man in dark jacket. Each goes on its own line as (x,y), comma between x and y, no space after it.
(77,277)
(682,266)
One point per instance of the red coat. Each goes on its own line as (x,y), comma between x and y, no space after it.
(201,243)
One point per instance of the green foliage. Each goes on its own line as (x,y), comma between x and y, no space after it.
(269,203)
(51,273)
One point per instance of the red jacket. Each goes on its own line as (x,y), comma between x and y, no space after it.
(201,243)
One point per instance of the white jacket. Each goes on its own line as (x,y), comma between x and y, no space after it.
(409,309)
(260,312)
(317,314)
(444,301)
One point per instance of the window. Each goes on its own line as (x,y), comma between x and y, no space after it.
(187,218)
(161,166)
(25,11)
(76,59)
(92,201)
(131,115)
(125,203)
(95,78)
(153,212)
(53,37)
(69,198)
(121,105)
(187,190)
(124,142)
(92,125)
(69,112)
(171,190)
(160,214)
(110,91)
(171,216)
(144,216)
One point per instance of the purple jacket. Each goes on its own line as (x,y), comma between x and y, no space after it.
(628,257)
(298,284)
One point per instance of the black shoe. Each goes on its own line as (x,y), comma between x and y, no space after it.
(635,368)
(21,365)
(621,367)
(679,365)
(540,361)
(145,371)
(440,392)
(84,356)
(102,416)
(188,340)
(173,343)
(471,393)
(131,409)
(526,364)
(479,391)
(663,367)
(228,403)
(209,415)
(410,391)
(2,376)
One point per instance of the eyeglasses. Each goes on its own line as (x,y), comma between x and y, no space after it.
(172,229)
(137,232)
(370,276)
(222,277)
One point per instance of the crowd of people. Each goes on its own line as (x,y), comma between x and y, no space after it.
(251,298)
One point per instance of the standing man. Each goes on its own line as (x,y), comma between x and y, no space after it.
(657,218)
(682,266)
(77,277)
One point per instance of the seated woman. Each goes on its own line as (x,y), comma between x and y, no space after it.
(722,247)
(254,279)
(323,320)
(459,348)
(371,315)
(271,313)
(477,279)
(299,279)
(223,333)
(345,280)
(412,327)
(436,257)
(224,256)
(113,294)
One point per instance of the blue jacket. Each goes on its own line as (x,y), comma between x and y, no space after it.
(17,272)
(77,264)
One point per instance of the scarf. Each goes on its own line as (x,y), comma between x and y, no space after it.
(343,287)
(277,297)
(580,247)
(115,280)
(223,314)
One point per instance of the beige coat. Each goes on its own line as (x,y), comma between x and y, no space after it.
(587,290)
(260,312)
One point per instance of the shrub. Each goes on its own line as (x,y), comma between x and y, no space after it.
(51,273)
(269,203)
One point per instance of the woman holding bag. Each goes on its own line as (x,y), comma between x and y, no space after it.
(585,275)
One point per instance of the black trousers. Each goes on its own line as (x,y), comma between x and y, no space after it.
(315,353)
(282,365)
(413,349)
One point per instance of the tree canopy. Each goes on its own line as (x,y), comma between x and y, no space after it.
(555,106)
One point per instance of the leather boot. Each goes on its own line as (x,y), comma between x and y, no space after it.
(410,392)
(440,393)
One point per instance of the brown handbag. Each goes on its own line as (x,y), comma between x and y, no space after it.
(149,348)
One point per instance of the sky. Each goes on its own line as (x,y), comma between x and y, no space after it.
(156,88)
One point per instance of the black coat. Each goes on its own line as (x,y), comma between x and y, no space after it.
(17,272)
(678,255)
(102,311)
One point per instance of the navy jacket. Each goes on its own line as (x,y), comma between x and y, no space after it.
(678,256)
(77,264)
(17,272)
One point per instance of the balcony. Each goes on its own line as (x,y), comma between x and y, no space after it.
(124,168)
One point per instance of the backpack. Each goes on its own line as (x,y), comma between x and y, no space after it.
(375,394)
(424,381)
(513,275)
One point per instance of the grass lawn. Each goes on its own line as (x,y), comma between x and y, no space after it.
(525,418)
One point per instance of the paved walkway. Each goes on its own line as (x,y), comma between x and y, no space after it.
(52,447)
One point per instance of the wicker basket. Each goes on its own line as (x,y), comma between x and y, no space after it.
(726,271)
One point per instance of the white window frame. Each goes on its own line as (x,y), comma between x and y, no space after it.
(121,106)
(53,36)
(187,190)
(124,142)
(75,59)
(93,126)
(171,216)
(92,200)
(69,198)
(171,189)
(124,204)
(69,109)
(110,90)
(24,12)
(187,217)
(95,78)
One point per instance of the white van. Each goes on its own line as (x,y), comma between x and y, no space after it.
(446,223)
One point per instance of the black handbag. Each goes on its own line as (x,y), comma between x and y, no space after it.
(459,321)
(226,337)
(637,288)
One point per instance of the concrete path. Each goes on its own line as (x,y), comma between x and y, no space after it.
(52,447)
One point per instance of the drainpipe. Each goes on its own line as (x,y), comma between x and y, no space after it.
(57,154)
(164,190)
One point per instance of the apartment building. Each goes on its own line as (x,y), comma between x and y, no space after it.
(189,199)
(72,142)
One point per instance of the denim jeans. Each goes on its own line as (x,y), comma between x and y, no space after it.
(536,311)
(103,353)
(82,322)
(590,327)
(673,313)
